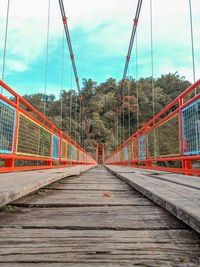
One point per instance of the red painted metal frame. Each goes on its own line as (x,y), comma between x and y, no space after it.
(10,158)
(100,152)
(186,160)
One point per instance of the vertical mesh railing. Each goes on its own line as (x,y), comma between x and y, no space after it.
(7,127)
(170,141)
(31,141)
(27,136)
(191,128)
(142,147)
(164,140)
(64,150)
(56,147)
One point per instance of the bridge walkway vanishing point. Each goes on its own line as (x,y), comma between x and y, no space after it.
(94,219)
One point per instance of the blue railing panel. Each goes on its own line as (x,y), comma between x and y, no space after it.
(126,153)
(7,127)
(142,147)
(73,153)
(56,147)
(191,129)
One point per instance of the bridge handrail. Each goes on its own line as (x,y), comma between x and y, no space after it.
(33,109)
(148,127)
(10,157)
(175,101)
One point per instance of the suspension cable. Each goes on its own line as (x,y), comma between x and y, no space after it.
(152,74)
(123,115)
(64,19)
(192,44)
(76,111)
(120,118)
(80,119)
(70,111)
(47,52)
(117,128)
(136,75)
(129,112)
(82,130)
(152,61)
(61,112)
(116,131)
(62,82)
(132,39)
(139,5)
(70,106)
(5,43)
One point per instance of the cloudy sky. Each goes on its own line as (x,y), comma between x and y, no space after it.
(100,33)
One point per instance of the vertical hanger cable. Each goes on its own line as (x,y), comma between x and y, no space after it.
(5,43)
(47,52)
(192,43)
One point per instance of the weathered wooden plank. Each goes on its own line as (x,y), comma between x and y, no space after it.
(182,201)
(86,197)
(92,186)
(141,255)
(101,182)
(171,236)
(94,179)
(176,178)
(19,184)
(126,234)
(114,247)
(107,264)
(124,217)
(88,180)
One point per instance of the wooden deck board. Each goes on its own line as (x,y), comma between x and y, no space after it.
(125,229)
(170,191)
(85,197)
(124,217)
(18,184)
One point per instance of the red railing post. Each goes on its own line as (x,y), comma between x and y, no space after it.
(137,147)
(186,164)
(10,163)
(148,163)
(125,162)
(66,150)
(132,154)
(49,162)
(60,148)
(121,161)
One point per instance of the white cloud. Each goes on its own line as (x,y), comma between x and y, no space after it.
(14,65)
(107,23)
(27,28)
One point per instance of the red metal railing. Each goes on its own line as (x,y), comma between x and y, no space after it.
(10,143)
(100,152)
(141,149)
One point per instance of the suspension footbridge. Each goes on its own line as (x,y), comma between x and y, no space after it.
(132,204)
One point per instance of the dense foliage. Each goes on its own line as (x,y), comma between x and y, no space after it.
(100,102)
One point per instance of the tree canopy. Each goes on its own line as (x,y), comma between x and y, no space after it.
(101,101)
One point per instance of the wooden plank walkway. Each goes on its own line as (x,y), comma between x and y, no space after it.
(18,184)
(177,193)
(94,219)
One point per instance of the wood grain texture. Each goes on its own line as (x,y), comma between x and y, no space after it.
(87,197)
(18,184)
(178,198)
(123,229)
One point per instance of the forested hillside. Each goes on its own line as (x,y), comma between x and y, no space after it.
(100,101)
